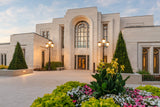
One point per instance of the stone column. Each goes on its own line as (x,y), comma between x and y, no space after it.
(151,60)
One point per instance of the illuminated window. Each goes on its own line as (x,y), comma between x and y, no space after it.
(156,60)
(105,31)
(82,35)
(145,59)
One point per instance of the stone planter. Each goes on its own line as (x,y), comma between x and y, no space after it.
(135,78)
(6,72)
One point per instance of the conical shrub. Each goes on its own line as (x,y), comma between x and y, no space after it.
(18,60)
(122,55)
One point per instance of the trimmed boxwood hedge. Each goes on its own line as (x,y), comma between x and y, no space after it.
(155,90)
(59,97)
(54,65)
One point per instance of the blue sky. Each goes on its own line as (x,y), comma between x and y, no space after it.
(18,16)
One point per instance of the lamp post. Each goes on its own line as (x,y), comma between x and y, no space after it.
(49,45)
(103,43)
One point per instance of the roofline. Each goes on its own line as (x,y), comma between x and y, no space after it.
(140,27)
(23,33)
(44,23)
(31,33)
(136,16)
(82,8)
(110,13)
(5,43)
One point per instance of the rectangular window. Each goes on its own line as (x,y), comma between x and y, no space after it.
(62,32)
(87,62)
(156,60)
(145,59)
(43,33)
(75,61)
(43,59)
(5,59)
(1,59)
(105,31)
(47,34)
(63,60)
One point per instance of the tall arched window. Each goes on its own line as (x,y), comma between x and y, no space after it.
(82,35)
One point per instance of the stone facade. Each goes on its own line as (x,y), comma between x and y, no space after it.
(32,43)
(138,31)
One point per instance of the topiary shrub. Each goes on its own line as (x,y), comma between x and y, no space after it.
(154,90)
(59,97)
(18,61)
(54,65)
(93,102)
(122,55)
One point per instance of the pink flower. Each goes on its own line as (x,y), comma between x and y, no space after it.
(74,101)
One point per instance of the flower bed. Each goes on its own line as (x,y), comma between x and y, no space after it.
(107,91)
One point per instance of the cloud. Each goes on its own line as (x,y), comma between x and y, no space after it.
(24,19)
(5,2)
(107,2)
(155,10)
(129,11)
(4,39)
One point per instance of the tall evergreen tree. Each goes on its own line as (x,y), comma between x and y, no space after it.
(18,61)
(122,55)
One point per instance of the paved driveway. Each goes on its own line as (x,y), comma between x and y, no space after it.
(20,91)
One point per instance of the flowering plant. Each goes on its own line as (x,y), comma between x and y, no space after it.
(80,94)
(142,98)
(102,65)
(108,81)
(120,99)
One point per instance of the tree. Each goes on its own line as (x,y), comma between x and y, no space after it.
(122,55)
(18,61)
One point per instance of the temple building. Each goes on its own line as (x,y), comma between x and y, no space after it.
(77,34)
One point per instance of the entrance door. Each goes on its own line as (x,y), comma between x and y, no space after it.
(81,62)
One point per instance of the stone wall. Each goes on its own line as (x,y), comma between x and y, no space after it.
(138,37)
(39,46)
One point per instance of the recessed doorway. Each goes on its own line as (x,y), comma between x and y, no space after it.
(81,62)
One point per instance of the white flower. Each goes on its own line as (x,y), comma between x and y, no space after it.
(158,103)
(152,103)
